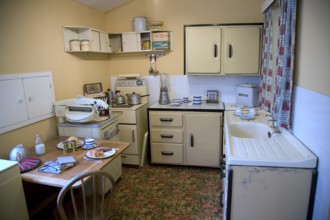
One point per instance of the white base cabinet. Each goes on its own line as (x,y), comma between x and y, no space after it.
(186,138)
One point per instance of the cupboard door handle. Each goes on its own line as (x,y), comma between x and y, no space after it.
(230,51)
(166,119)
(221,195)
(191,140)
(167,153)
(215,51)
(166,136)
(133,136)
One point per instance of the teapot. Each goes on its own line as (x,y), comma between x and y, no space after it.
(19,153)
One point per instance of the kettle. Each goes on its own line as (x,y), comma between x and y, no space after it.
(19,153)
(120,99)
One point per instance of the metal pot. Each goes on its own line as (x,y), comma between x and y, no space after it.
(120,99)
(134,98)
(19,153)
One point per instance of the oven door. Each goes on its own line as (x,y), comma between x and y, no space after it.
(110,132)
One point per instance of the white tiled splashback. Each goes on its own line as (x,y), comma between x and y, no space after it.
(189,86)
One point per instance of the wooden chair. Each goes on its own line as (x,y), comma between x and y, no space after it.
(86,196)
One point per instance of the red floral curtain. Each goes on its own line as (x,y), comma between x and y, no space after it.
(267,61)
(285,62)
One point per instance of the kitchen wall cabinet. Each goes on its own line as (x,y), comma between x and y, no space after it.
(99,40)
(186,138)
(147,41)
(126,42)
(29,98)
(223,49)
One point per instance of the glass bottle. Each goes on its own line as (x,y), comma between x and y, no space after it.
(40,146)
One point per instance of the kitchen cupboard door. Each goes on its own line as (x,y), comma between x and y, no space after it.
(104,42)
(38,96)
(95,43)
(14,110)
(241,53)
(202,50)
(131,42)
(203,139)
(127,133)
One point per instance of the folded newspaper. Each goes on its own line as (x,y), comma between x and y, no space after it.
(55,167)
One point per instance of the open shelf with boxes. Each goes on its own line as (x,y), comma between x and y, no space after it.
(146,41)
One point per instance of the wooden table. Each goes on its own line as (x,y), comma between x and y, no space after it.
(82,165)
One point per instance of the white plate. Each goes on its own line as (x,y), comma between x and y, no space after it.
(60,145)
(105,154)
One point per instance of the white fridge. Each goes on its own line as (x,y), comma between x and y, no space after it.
(12,202)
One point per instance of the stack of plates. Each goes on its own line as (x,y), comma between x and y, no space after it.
(197,100)
(89,143)
(185,99)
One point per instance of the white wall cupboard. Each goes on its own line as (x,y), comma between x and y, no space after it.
(25,98)
(186,138)
(222,49)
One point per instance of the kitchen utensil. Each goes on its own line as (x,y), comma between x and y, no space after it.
(134,98)
(111,97)
(139,23)
(19,153)
(164,98)
(120,99)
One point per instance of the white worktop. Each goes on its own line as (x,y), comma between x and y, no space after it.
(280,150)
(189,106)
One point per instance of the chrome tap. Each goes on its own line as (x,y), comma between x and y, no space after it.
(275,125)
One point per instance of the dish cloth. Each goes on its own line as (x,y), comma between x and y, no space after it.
(28,164)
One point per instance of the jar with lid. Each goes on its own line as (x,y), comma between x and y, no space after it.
(40,146)
(74,45)
(84,45)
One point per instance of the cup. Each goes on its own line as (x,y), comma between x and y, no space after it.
(238,111)
(252,111)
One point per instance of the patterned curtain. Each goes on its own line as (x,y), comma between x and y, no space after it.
(285,62)
(267,62)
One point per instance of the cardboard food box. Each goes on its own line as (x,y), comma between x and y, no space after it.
(161,45)
(161,36)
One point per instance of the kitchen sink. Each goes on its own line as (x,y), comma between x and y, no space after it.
(249,130)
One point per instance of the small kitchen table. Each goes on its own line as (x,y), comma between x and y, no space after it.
(82,165)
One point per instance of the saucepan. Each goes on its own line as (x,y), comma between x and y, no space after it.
(134,98)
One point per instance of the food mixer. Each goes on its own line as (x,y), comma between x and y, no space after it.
(164,98)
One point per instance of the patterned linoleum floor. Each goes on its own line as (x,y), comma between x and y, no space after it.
(167,192)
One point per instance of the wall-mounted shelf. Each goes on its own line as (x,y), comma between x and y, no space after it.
(117,43)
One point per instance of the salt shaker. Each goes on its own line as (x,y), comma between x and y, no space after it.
(40,146)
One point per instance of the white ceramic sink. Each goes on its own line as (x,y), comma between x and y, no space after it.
(249,130)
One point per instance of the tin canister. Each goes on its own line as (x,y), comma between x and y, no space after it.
(74,45)
(85,45)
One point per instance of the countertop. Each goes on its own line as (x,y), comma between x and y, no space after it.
(189,107)
(101,122)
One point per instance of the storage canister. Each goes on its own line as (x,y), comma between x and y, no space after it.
(247,95)
(140,24)
(84,45)
(74,45)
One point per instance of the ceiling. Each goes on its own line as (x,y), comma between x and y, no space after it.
(103,5)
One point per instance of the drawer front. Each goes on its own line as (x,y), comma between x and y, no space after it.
(171,119)
(166,153)
(125,117)
(166,135)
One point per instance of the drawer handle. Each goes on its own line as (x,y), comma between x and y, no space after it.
(166,119)
(166,136)
(167,153)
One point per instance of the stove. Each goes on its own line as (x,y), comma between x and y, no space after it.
(132,119)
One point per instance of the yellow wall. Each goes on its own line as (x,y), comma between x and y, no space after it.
(313,47)
(175,14)
(31,40)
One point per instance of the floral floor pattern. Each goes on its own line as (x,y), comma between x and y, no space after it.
(167,192)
